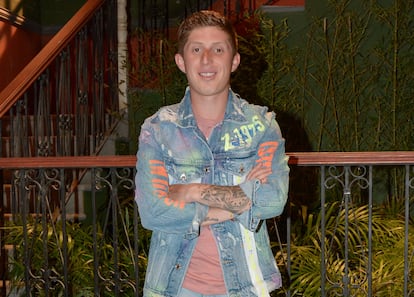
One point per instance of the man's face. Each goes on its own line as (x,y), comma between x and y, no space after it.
(208,61)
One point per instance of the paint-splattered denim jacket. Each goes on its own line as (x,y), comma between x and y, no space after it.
(173,150)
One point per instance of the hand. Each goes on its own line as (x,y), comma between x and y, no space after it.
(259,172)
(186,193)
(180,192)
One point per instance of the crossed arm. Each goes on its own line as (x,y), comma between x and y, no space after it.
(224,201)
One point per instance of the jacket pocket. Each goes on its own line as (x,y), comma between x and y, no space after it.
(182,171)
(238,164)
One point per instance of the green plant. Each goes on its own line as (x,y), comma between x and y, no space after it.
(349,81)
(39,251)
(387,251)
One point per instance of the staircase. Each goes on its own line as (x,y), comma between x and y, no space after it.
(64,102)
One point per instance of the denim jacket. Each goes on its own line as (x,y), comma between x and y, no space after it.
(173,150)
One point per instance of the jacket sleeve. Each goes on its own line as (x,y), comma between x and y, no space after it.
(156,210)
(268,199)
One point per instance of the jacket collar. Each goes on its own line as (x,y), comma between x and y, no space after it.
(234,110)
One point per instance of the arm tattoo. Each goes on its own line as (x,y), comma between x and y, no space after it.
(230,198)
(211,220)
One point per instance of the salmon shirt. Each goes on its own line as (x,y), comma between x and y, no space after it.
(172,150)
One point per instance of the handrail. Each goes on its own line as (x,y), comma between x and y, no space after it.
(20,84)
(352,158)
(295,158)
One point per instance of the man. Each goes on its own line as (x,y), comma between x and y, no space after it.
(210,170)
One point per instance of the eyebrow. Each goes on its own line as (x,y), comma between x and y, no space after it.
(226,42)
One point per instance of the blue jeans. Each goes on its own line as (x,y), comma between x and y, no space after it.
(187,293)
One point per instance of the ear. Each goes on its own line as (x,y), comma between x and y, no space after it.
(179,60)
(236,62)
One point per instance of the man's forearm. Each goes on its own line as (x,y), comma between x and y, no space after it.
(216,215)
(230,198)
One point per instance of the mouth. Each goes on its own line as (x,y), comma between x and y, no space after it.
(207,74)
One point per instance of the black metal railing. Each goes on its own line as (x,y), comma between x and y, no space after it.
(63,103)
(348,240)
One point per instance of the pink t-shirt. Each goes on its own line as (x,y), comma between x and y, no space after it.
(204,274)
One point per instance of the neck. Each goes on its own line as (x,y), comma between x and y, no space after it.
(211,109)
(207,124)
(208,113)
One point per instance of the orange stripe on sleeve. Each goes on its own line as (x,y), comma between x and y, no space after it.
(266,152)
(160,183)
(157,168)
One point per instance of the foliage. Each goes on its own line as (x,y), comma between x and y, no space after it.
(39,256)
(40,251)
(349,254)
(251,47)
(350,82)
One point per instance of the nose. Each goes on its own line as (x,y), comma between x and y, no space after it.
(206,57)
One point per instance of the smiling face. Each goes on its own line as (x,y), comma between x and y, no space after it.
(208,59)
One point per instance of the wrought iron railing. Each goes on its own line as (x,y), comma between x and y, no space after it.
(63,103)
(103,252)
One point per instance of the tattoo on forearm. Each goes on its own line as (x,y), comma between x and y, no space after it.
(211,219)
(218,217)
(229,198)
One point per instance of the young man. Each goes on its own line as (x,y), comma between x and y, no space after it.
(210,170)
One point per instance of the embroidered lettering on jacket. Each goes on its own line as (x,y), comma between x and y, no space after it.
(243,135)
(160,183)
(266,153)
